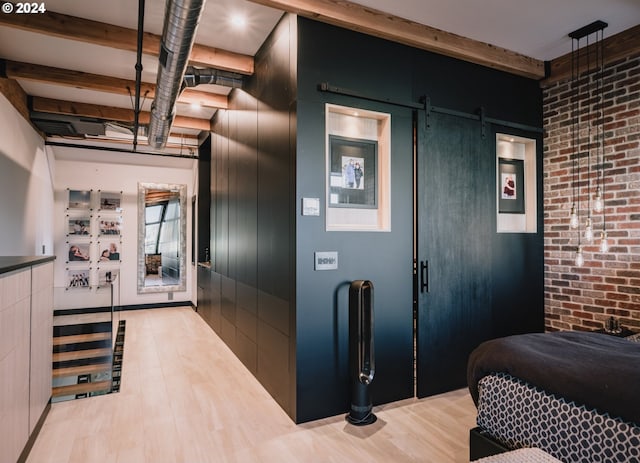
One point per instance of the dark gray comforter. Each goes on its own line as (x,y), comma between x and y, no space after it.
(591,369)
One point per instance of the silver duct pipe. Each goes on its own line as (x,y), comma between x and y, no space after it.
(194,77)
(178,35)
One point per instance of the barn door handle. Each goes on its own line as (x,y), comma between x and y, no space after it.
(424,276)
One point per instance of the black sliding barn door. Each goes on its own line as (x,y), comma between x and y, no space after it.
(455,222)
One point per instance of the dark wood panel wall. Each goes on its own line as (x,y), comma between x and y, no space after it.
(203,253)
(284,320)
(395,73)
(360,63)
(247,295)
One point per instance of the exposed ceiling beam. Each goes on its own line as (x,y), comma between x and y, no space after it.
(110,113)
(83,80)
(377,23)
(16,96)
(616,47)
(108,35)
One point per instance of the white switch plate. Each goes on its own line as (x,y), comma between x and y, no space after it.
(311,206)
(326,260)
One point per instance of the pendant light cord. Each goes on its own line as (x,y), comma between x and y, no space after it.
(576,120)
(602,134)
(589,123)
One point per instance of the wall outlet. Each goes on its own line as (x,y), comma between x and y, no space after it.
(326,260)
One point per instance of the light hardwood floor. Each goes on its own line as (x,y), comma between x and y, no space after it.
(184,397)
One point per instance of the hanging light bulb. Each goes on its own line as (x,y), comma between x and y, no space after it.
(588,231)
(579,261)
(604,242)
(573,218)
(597,201)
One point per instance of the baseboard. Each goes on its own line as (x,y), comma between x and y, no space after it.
(157,305)
(32,438)
(62,312)
(481,445)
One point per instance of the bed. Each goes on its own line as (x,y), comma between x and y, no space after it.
(575,395)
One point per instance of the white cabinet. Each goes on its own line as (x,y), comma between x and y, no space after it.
(41,339)
(26,319)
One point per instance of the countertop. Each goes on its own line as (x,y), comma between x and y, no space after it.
(11,263)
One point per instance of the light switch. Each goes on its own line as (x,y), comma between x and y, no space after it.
(311,206)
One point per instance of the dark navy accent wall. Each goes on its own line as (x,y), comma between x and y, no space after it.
(202,252)
(249,299)
(392,72)
(287,322)
(385,258)
(466,87)
(518,264)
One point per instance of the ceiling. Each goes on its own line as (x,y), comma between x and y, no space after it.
(537,30)
(533,28)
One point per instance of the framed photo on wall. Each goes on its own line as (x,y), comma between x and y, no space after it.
(109,251)
(106,276)
(110,201)
(511,186)
(79,226)
(78,252)
(109,226)
(353,172)
(78,278)
(79,200)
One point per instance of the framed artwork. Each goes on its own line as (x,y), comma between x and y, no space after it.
(79,200)
(109,225)
(78,252)
(79,226)
(511,186)
(78,278)
(353,173)
(106,276)
(110,201)
(109,251)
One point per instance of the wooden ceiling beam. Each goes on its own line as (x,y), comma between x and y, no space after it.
(616,47)
(110,113)
(108,35)
(84,80)
(16,96)
(377,23)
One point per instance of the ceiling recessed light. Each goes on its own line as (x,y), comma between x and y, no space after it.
(238,20)
(196,106)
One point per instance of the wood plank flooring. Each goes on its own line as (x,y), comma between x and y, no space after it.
(185,398)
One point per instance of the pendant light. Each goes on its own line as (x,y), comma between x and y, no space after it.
(580,77)
(579,259)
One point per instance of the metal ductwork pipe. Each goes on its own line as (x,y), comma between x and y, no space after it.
(178,35)
(194,77)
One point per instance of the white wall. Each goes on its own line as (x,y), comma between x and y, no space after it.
(26,191)
(86,169)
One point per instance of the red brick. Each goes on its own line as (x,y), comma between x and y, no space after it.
(579,291)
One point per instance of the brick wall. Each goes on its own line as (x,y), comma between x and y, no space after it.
(583,298)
